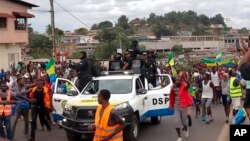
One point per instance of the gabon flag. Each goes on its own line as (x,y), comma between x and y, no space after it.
(171,60)
(50,69)
(219,57)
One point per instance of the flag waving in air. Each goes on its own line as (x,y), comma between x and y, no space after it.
(50,69)
(170,60)
(174,72)
(219,57)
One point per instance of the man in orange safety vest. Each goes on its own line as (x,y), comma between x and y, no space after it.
(108,124)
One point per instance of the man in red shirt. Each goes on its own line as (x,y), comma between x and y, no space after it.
(180,99)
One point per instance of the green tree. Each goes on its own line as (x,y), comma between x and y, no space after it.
(106,34)
(58,32)
(172,18)
(94,27)
(203,19)
(218,19)
(189,18)
(161,30)
(199,30)
(105,24)
(244,30)
(81,31)
(30,30)
(187,50)
(153,19)
(110,41)
(40,46)
(74,55)
(104,50)
(179,50)
(123,22)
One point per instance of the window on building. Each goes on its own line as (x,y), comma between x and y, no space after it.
(3,22)
(20,23)
(74,40)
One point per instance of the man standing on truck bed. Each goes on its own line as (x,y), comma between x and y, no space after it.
(108,124)
(85,71)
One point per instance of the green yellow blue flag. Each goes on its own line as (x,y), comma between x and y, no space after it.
(170,60)
(50,69)
(192,92)
(219,57)
(174,72)
(212,63)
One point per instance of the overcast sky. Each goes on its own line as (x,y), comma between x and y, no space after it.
(95,11)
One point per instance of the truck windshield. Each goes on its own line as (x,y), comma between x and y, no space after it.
(115,86)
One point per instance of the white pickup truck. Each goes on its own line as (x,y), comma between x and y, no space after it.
(132,99)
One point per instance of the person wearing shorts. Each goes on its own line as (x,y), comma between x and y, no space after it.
(207,98)
(226,100)
(235,92)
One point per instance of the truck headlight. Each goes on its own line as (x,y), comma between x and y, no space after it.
(122,106)
(68,107)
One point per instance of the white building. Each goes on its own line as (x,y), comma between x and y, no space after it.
(87,43)
(196,43)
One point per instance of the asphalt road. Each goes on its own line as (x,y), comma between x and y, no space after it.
(216,131)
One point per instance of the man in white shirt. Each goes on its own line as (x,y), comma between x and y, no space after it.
(217,88)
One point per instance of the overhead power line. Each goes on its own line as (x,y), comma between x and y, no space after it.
(72,14)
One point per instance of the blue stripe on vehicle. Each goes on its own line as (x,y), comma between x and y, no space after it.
(158,112)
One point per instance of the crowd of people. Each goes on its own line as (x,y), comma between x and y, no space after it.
(26,92)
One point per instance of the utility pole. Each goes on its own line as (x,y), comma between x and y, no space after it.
(52,12)
(120,44)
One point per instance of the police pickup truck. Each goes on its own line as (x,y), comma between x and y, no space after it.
(134,100)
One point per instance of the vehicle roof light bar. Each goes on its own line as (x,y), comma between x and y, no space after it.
(128,72)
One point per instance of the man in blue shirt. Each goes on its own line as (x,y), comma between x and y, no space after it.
(22,109)
(62,88)
(2,75)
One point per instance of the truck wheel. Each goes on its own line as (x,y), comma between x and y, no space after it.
(131,132)
(73,137)
(156,120)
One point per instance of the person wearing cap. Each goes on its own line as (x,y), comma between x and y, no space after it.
(134,49)
(85,71)
(152,68)
(144,67)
